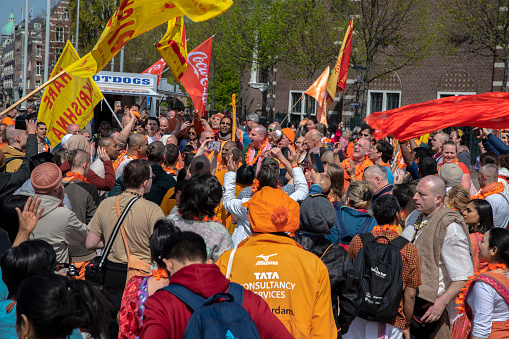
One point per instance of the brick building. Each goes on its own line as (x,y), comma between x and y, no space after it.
(436,77)
(60,24)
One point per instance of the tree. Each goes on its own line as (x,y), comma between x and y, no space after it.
(479,27)
(389,35)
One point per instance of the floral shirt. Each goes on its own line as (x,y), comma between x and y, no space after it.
(132,307)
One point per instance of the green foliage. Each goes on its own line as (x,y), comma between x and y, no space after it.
(226,83)
(478,27)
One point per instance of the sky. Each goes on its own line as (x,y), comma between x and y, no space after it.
(6,6)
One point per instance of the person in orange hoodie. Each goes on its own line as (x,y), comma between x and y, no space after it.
(10,116)
(294,282)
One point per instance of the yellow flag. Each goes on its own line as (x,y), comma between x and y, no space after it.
(67,100)
(135,17)
(173,47)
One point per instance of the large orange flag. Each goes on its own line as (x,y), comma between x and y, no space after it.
(337,80)
(196,78)
(487,110)
(318,90)
(173,47)
(135,17)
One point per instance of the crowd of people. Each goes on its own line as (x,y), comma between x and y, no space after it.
(176,226)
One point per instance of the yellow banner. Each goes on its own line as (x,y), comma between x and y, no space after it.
(135,17)
(67,100)
(173,47)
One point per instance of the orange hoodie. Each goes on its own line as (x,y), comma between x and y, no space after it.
(294,282)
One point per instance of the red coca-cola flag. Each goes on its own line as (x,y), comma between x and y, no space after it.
(196,78)
(156,69)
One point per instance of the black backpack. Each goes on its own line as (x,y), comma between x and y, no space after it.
(380,270)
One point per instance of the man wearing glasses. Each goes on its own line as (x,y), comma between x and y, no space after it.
(354,168)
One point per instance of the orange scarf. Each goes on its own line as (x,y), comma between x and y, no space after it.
(207,218)
(386,227)
(358,170)
(460,300)
(160,273)
(169,170)
(493,188)
(75,176)
(121,158)
(255,158)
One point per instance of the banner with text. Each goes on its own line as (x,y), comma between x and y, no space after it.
(135,17)
(196,78)
(67,100)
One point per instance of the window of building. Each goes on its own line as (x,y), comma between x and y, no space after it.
(37,26)
(59,34)
(38,51)
(38,68)
(37,83)
(383,100)
(60,16)
(452,94)
(302,107)
(58,51)
(66,14)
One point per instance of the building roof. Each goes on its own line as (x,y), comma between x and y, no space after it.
(8,28)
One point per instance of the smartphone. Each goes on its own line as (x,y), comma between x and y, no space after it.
(317,163)
(477,133)
(118,103)
(214,145)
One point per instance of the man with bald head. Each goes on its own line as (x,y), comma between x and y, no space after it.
(259,144)
(136,149)
(313,139)
(445,255)
(436,146)
(354,168)
(15,149)
(163,125)
(73,129)
(488,181)
(378,178)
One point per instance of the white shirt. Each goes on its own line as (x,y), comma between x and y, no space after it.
(234,206)
(455,262)
(500,206)
(487,306)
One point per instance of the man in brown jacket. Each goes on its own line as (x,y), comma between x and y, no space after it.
(445,254)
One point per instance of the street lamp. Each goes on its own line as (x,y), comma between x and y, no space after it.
(360,72)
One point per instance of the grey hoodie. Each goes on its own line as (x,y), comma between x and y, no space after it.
(59,227)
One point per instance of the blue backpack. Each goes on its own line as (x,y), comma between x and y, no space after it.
(210,319)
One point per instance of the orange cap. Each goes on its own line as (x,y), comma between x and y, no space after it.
(289,134)
(272,210)
(136,114)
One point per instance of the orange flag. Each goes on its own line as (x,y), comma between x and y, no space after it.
(487,110)
(318,90)
(337,80)
(173,47)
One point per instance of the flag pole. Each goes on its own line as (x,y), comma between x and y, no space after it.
(33,92)
(112,112)
(292,108)
(234,117)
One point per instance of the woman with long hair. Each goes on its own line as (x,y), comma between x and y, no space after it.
(353,218)
(485,298)
(139,288)
(479,219)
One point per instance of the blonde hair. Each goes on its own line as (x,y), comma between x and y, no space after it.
(461,197)
(360,194)
(337,178)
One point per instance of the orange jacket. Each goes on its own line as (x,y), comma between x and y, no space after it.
(294,282)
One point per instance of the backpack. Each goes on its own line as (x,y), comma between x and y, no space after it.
(344,236)
(9,160)
(211,319)
(380,268)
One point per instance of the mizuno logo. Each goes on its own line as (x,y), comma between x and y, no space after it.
(266,257)
(265,260)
